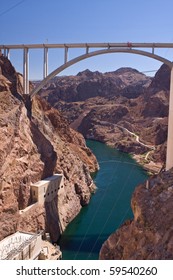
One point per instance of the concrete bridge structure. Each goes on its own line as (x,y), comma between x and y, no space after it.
(91,50)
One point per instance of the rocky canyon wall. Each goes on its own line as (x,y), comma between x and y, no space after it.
(35,142)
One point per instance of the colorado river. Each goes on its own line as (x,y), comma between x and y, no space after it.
(109,207)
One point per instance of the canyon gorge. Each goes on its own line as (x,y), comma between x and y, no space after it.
(124,109)
(128,111)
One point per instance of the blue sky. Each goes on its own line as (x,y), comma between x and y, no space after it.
(79,21)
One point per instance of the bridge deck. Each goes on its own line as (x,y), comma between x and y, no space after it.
(89,45)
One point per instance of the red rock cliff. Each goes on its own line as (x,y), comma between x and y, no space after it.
(36,142)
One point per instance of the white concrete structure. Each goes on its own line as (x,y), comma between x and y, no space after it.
(21,246)
(28,246)
(46,190)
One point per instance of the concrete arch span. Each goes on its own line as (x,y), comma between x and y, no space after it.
(95,53)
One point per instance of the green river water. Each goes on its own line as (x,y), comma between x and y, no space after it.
(109,207)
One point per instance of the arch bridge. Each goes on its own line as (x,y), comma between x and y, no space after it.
(100,48)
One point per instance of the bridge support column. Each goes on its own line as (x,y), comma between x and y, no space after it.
(25,72)
(169,155)
(7,53)
(65,55)
(45,67)
(87,50)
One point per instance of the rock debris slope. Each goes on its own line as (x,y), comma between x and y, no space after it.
(35,142)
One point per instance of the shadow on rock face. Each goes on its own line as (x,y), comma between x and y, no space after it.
(45,149)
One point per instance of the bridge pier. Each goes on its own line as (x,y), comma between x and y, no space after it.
(169,155)
(65,55)
(7,53)
(25,71)
(45,67)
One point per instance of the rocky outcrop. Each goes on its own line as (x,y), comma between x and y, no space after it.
(149,235)
(161,80)
(35,142)
(157,105)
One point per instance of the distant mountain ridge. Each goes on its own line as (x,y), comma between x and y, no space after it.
(89,84)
